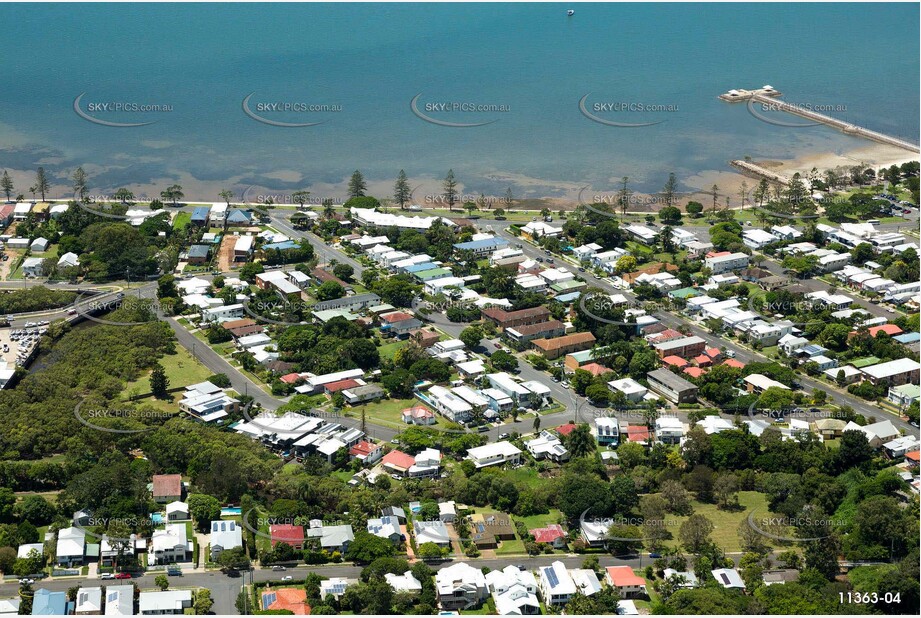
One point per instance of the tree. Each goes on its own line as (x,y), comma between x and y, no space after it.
(344,271)
(161,582)
(6,183)
(226,195)
(36,510)
(580,441)
(234,559)
(694,533)
(626,264)
(508,199)
(670,214)
(726,491)
(203,602)
(503,361)
(300,197)
(431,551)
(669,191)
(449,187)
(471,336)
(599,394)
(329,290)
(630,455)
(676,497)
(623,196)
(401,191)
(123,195)
(172,194)
(357,185)
(41,182)
(366,548)
(694,209)
(159,383)
(204,509)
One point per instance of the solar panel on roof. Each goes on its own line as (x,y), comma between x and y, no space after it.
(725,578)
(268,598)
(551,577)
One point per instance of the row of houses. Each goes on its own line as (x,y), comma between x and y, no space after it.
(112,600)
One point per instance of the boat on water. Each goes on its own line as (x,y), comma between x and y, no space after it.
(570,12)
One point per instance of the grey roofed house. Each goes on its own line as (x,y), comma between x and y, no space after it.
(671,386)
(780,576)
(431,532)
(360,301)
(332,537)
(199,251)
(395,511)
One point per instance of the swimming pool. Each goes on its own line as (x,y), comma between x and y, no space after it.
(230,510)
(156,518)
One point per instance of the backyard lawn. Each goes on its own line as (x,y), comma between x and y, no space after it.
(540,521)
(182,369)
(725,523)
(388,350)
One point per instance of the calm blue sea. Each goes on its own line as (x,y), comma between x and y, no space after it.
(371,60)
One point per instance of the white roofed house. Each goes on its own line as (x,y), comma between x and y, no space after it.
(68,260)
(670,429)
(556,584)
(514,592)
(89,601)
(386,527)
(170,545)
(120,600)
(549,446)
(460,586)
(71,546)
(166,602)
(224,535)
(497,453)
(403,583)
(632,390)
(177,511)
(449,404)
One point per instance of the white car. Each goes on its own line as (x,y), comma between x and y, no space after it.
(25,581)
(287,578)
(107,576)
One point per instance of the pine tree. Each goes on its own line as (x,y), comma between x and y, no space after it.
(401,192)
(79,178)
(41,182)
(159,383)
(357,185)
(6,183)
(450,189)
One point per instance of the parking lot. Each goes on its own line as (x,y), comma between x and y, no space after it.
(17,343)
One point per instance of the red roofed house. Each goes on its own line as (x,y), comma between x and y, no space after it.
(637,433)
(6,214)
(366,452)
(287,533)
(666,335)
(291,599)
(675,361)
(565,430)
(714,254)
(418,415)
(396,316)
(713,353)
(694,372)
(340,385)
(166,488)
(912,458)
(425,338)
(552,535)
(595,369)
(625,581)
(399,462)
(890,329)
(703,360)
(290,378)
(731,362)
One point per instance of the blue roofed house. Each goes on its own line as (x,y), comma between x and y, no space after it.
(287,245)
(200,216)
(482,246)
(238,216)
(199,254)
(47,603)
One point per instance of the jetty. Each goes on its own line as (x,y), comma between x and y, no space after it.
(768,95)
(758,171)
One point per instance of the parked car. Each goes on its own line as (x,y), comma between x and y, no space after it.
(25,581)
(287,578)
(174,571)
(123,576)
(278,567)
(107,576)
(503,436)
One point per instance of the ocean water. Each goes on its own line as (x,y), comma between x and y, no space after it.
(530,62)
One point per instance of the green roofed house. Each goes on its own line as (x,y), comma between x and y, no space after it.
(684,293)
(568,286)
(904,395)
(860,363)
(434,273)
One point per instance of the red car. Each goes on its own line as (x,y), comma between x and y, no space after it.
(123,576)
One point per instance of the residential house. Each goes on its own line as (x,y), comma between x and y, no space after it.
(70,549)
(728,578)
(89,601)
(555,583)
(496,453)
(166,602)
(671,386)
(893,373)
(560,346)
(167,488)
(386,527)
(403,583)
(548,446)
(514,592)
(47,603)
(287,533)
(607,430)
(170,545)
(120,600)
(552,534)
(177,511)
(488,529)
(725,261)
(460,586)
(225,535)
(627,583)
(331,538)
